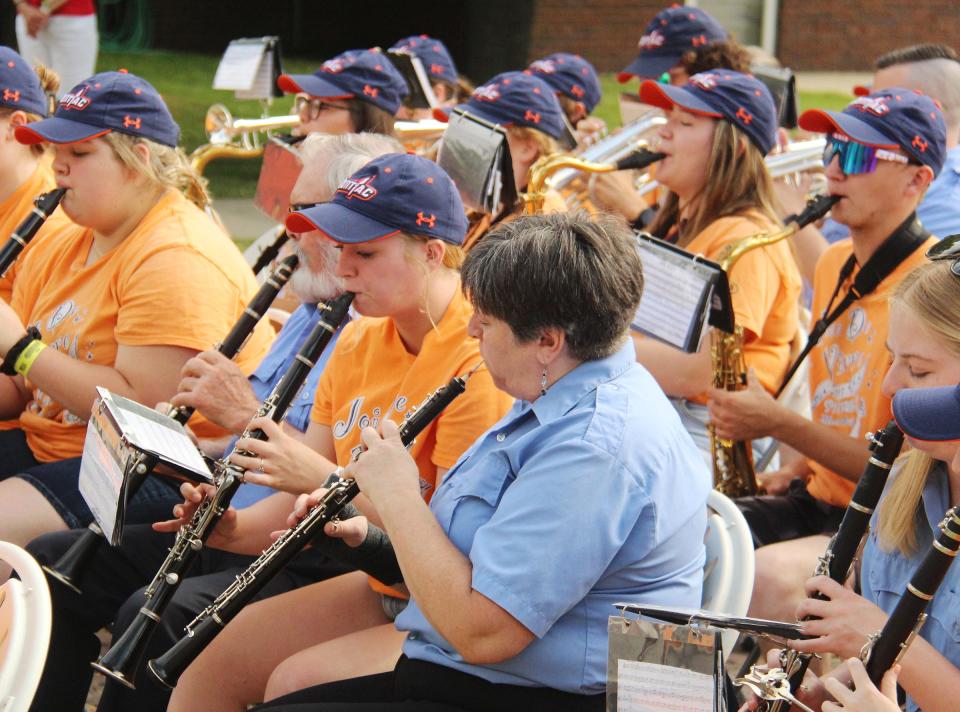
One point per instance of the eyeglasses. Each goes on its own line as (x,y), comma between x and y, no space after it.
(947,249)
(314,107)
(857,158)
(298,207)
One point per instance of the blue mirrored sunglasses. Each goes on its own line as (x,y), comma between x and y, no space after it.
(857,158)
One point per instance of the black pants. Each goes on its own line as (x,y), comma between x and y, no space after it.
(782,517)
(113,592)
(418,686)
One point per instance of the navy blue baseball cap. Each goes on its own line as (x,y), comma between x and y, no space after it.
(433,54)
(931,414)
(19,84)
(741,99)
(570,75)
(515,99)
(364,74)
(671,33)
(108,101)
(394,193)
(895,118)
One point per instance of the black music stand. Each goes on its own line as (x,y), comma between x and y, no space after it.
(475,154)
(421,94)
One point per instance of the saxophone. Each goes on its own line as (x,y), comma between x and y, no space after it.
(733,472)
(546,166)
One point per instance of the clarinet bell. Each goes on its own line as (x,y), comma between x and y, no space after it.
(123,659)
(69,568)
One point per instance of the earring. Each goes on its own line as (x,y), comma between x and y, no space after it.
(543,382)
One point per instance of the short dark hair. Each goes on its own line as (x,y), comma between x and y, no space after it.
(565,270)
(725,54)
(915,53)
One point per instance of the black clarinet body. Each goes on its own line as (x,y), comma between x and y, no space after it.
(909,613)
(69,568)
(205,627)
(270,252)
(124,657)
(43,207)
(842,549)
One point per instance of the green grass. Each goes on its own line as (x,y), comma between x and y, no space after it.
(185,81)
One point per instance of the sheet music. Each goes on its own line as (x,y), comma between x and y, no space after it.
(155,433)
(672,301)
(101,477)
(649,687)
(262,85)
(240,66)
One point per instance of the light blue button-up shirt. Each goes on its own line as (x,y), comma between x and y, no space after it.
(940,209)
(271,369)
(885,575)
(591,495)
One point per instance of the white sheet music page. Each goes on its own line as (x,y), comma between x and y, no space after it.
(240,65)
(649,687)
(101,473)
(155,433)
(671,301)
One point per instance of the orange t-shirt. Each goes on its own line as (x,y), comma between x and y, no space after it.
(764,288)
(176,280)
(14,211)
(849,363)
(371,376)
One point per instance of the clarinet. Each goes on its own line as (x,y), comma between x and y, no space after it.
(205,627)
(123,659)
(270,252)
(44,205)
(69,568)
(839,555)
(886,648)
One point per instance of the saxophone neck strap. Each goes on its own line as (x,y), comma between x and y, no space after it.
(904,241)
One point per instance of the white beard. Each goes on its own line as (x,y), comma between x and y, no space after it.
(312,287)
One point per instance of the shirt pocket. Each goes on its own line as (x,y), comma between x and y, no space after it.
(944,620)
(475,499)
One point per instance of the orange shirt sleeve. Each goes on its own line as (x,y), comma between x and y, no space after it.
(468,417)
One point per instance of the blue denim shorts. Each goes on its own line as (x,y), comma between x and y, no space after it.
(58,482)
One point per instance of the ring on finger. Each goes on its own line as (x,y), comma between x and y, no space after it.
(261,466)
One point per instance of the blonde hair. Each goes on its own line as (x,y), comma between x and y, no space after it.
(453,256)
(546,145)
(49,83)
(168,166)
(737,181)
(932,294)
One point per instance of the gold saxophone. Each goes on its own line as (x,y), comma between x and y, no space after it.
(546,166)
(733,473)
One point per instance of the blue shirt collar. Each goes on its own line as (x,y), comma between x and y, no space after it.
(953,160)
(936,494)
(563,395)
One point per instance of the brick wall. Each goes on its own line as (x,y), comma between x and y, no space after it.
(850,34)
(604,31)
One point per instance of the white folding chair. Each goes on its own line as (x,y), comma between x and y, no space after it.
(25,615)
(729,568)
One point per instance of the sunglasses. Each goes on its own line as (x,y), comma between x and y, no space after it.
(314,107)
(857,158)
(947,249)
(298,207)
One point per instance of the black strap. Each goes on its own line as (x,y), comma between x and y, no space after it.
(904,241)
(33,334)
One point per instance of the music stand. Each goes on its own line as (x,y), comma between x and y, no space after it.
(421,94)
(682,294)
(782,83)
(250,67)
(476,156)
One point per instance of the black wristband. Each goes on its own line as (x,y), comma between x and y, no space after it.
(33,334)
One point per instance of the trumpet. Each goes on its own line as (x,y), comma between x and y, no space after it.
(419,136)
(235,138)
